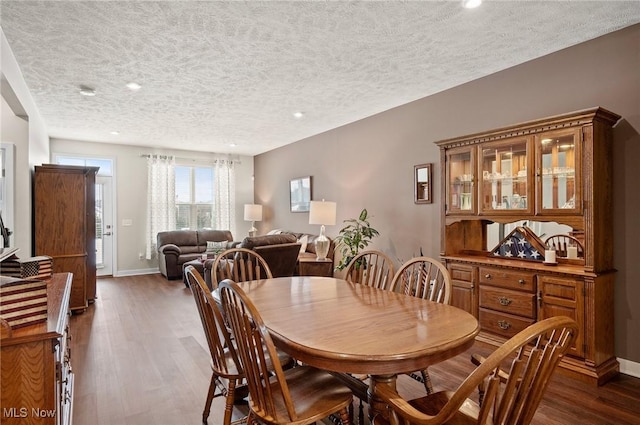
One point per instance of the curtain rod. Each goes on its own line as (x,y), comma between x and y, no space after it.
(204,160)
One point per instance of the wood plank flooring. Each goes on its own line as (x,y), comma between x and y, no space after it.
(140,357)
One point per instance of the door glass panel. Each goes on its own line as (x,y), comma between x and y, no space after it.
(460,182)
(558,172)
(504,177)
(99,226)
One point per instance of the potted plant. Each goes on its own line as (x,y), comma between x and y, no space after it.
(353,237)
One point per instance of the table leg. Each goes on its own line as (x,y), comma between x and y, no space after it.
(377,406)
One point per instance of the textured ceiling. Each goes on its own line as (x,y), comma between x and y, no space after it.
(217,73)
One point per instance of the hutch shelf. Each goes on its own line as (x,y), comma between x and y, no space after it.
(554,176)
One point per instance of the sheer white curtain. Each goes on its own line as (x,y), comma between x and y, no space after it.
(161,199)
(225,195)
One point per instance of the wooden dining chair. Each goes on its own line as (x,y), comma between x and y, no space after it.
(371,268)
(427,278)
(536,351)
(376,269)
(300,395)
(224,361)
(561,244)
(239,265)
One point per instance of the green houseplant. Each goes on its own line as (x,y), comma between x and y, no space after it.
(353,237)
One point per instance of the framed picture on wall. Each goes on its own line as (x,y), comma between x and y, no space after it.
(300,194)
(422,184)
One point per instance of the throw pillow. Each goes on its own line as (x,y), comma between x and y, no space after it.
(303,243)
(274,232)
(216,247)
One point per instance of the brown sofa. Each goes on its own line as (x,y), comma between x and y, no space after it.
(279,251)
(177,247)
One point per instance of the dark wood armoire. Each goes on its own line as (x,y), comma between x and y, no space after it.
(65,225)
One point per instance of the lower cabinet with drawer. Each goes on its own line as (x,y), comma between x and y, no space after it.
(509,296)
(507,300)
(464,287)
(36,376)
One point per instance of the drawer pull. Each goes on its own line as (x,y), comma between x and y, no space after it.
(504,325)
(521,281)
(487,276)
(504,301)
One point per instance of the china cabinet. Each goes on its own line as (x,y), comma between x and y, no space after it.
(554,176)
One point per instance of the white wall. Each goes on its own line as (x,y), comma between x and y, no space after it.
(130,189)
(31,148)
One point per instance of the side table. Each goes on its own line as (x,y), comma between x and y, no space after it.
(309,266)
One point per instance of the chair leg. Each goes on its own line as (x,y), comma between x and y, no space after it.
(210,395)
(229,401)
(344,416)
(480,393)
(251,420)
(426,379)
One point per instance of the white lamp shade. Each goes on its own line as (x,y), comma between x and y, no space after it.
(253,212)
(322,212)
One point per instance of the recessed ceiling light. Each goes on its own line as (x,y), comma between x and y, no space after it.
(298,115)
(134,86)
(87,91)
(115,133)
(233,145)
(471,4)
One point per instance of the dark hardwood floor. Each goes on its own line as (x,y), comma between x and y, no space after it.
(140,357)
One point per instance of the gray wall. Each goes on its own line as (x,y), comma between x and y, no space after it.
(369,163)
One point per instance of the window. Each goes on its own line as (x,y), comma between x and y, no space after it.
(106,165)
(194,197)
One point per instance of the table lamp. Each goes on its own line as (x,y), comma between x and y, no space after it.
(253,213)
(323,213)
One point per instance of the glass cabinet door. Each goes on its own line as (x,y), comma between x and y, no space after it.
(460,179)
(506,180)
(557,162)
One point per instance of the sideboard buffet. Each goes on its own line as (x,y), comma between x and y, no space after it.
(552,175)
(35,364)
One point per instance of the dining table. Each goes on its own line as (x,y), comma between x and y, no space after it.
(350,328)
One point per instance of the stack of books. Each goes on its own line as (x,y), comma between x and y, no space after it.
(40,267)
(22,301)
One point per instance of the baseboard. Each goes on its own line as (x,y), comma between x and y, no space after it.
(121,273)
(629,368)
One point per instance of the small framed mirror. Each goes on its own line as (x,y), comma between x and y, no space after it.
(300,194)
(422,189)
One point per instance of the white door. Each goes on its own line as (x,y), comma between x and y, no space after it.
(104,226)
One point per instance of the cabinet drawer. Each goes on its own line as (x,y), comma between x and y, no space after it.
(507,279)
(460,272)
(512,302)
(503,324)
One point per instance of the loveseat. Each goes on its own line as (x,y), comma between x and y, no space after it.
(176,247)
(280,252)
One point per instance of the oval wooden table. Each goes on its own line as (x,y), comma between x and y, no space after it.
(348,327)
